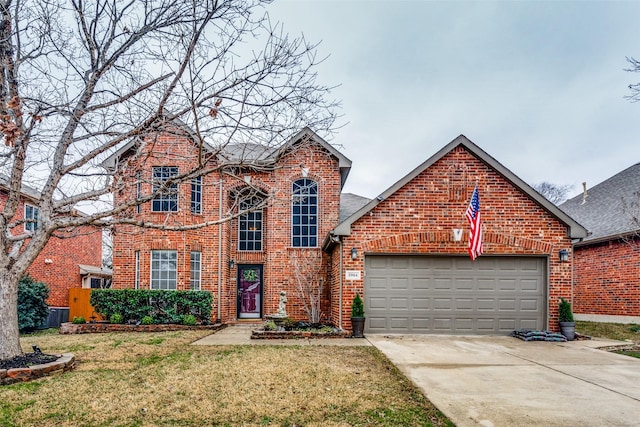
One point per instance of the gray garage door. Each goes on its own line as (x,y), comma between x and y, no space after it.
(453,295)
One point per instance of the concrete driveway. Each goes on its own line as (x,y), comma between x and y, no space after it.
(503,381)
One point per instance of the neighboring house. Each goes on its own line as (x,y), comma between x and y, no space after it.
(60,263)
(405,251)
(607,262)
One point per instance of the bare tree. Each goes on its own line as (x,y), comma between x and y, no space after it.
(555,193)
(634,87)
(82,79)
(308,271)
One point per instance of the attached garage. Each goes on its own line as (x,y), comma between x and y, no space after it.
(454,295)
(406,252)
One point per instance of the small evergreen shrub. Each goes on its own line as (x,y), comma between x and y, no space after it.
(116,318)
(564,311)
(32,306)
(78,320)
(357,307)
(270,325)
(189,320)
(147,320)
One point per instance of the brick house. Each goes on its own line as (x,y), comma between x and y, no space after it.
(404,251)
(63,261)
(607,262)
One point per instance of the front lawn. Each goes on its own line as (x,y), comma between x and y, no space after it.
(614,331)
(136,379)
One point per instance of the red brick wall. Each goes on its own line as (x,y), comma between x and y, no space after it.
(419,218)
(83,246)
(79,246)
(218,243)
(607,278)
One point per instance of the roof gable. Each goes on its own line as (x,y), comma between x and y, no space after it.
(607,210)
(575,229)
(248,153)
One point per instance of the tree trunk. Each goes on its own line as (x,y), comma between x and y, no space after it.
(9,335)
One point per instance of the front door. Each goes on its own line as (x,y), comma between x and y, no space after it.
(249,291)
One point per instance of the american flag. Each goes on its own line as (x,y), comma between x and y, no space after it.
(475,225)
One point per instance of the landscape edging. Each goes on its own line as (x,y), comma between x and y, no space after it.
(64,363)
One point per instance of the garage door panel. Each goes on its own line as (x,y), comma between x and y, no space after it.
(420,303)
(427,294)
(531,305)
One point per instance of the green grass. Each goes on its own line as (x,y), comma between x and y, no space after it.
(614,331)
(159,379)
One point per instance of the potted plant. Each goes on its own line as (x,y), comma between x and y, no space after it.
(357,317)
(565,317)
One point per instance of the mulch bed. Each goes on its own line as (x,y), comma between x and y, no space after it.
(27,359)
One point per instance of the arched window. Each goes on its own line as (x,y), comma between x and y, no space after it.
(304,214)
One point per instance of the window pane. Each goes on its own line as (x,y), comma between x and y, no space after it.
(167,199)
(164,269)
(304,212)
(250,225)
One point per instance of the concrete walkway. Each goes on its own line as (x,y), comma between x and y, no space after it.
(241,335)
(503,381)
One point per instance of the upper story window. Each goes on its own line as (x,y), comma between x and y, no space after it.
(167,199)
(164,269)
(138,189)
(304,213)
(30,218)
(196,195)
(250,225)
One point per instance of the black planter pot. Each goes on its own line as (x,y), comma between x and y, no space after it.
(568,329)
(357,327)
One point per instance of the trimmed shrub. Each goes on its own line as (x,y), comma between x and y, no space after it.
(162,306)
(32,307)
(116,318)
(189,320)
(78,320)
(147,320)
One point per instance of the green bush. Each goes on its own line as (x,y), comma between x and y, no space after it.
(357,308)
(32,307)
(162,306)
(564,311)
(189,320)
(147,320)
(78,320)
(116,318)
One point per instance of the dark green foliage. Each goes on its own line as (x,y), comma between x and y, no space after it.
(78,320)
(357,308)
(564,313)
(161,306)
(32,307)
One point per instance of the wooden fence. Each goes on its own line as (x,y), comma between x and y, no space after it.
(79,305)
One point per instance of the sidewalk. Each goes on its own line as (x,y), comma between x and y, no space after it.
(241,335)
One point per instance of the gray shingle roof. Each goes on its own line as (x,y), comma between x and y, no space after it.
(609,206)
(351,203)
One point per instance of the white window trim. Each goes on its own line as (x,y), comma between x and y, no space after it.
(31,224)
(151,269)
(192,281)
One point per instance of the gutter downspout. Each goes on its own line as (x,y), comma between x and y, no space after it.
(340,293)
(219,247)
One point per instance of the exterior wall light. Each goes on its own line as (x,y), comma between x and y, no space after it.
(564,255)
(231,264)
(354,253)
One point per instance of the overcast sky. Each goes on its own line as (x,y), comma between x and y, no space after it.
(540,86)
